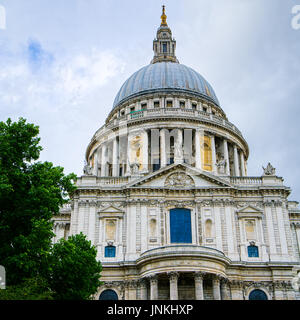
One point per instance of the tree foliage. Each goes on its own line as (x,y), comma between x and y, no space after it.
(74,273)
(31,192)
(30,289)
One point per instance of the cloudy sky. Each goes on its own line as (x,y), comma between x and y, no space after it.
(62,63)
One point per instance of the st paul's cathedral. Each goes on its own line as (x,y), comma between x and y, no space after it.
(166,199)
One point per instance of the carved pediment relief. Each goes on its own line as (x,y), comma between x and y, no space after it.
(179,180)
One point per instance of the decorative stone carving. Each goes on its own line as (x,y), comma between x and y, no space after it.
(179,180)
(87,170)
(199,275)
(134,168)
(269,170)
(179,204)
(178,150)
(173,276)
(221,165)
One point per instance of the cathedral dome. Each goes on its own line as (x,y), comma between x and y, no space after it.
(165,76)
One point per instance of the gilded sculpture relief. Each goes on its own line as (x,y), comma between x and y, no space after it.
(206,153)
(136,154)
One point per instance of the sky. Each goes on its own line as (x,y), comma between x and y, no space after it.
(63,62)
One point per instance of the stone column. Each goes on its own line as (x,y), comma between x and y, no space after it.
(128,170)
(213,153)
(236,290)
(224,289)
(216,288)
(199,295)
(115,162)
(103,160)
(145,168)
(236,162)
(198,135)
(92,222)
(242,158)
(279,287)
(173,277)
(95,169)
(143,289)
(153,288)
(178,156)
(132,290)
(226,156)
(163,149)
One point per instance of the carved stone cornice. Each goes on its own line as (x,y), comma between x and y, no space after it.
(179,203)
(87,203)
(238,284)
(114,284)
(272,203)
(61,224)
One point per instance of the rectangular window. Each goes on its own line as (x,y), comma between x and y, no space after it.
(253,252)
(156,104)
(204,109)
(194,106)
(182,104)
(132,109)
(164,47)
(180,226)
(110,252)
(169,104)
(144,106)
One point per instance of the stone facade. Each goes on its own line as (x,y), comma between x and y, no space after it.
(173,148)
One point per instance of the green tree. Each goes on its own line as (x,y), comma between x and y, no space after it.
(31,192)
(74,272)
(31,289)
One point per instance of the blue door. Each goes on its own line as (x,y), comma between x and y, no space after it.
(108,295)
(180,225)
(257,295)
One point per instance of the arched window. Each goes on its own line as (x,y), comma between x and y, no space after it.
(108,295)
(180,225)
(110,252)
(253,251)
(257,295)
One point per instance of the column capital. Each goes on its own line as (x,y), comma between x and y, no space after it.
(173,275)
(142,282)
(153,278)
(218,277)
(199,275)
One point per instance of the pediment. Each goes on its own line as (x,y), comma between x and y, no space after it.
(250,212)
(110,211)
(179,176)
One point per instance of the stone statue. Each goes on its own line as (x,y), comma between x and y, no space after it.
(134,167)
(87,170)
(221,165)
(178,150)
(269,170)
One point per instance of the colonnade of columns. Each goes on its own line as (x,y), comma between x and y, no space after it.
(219,287)
(195,147)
